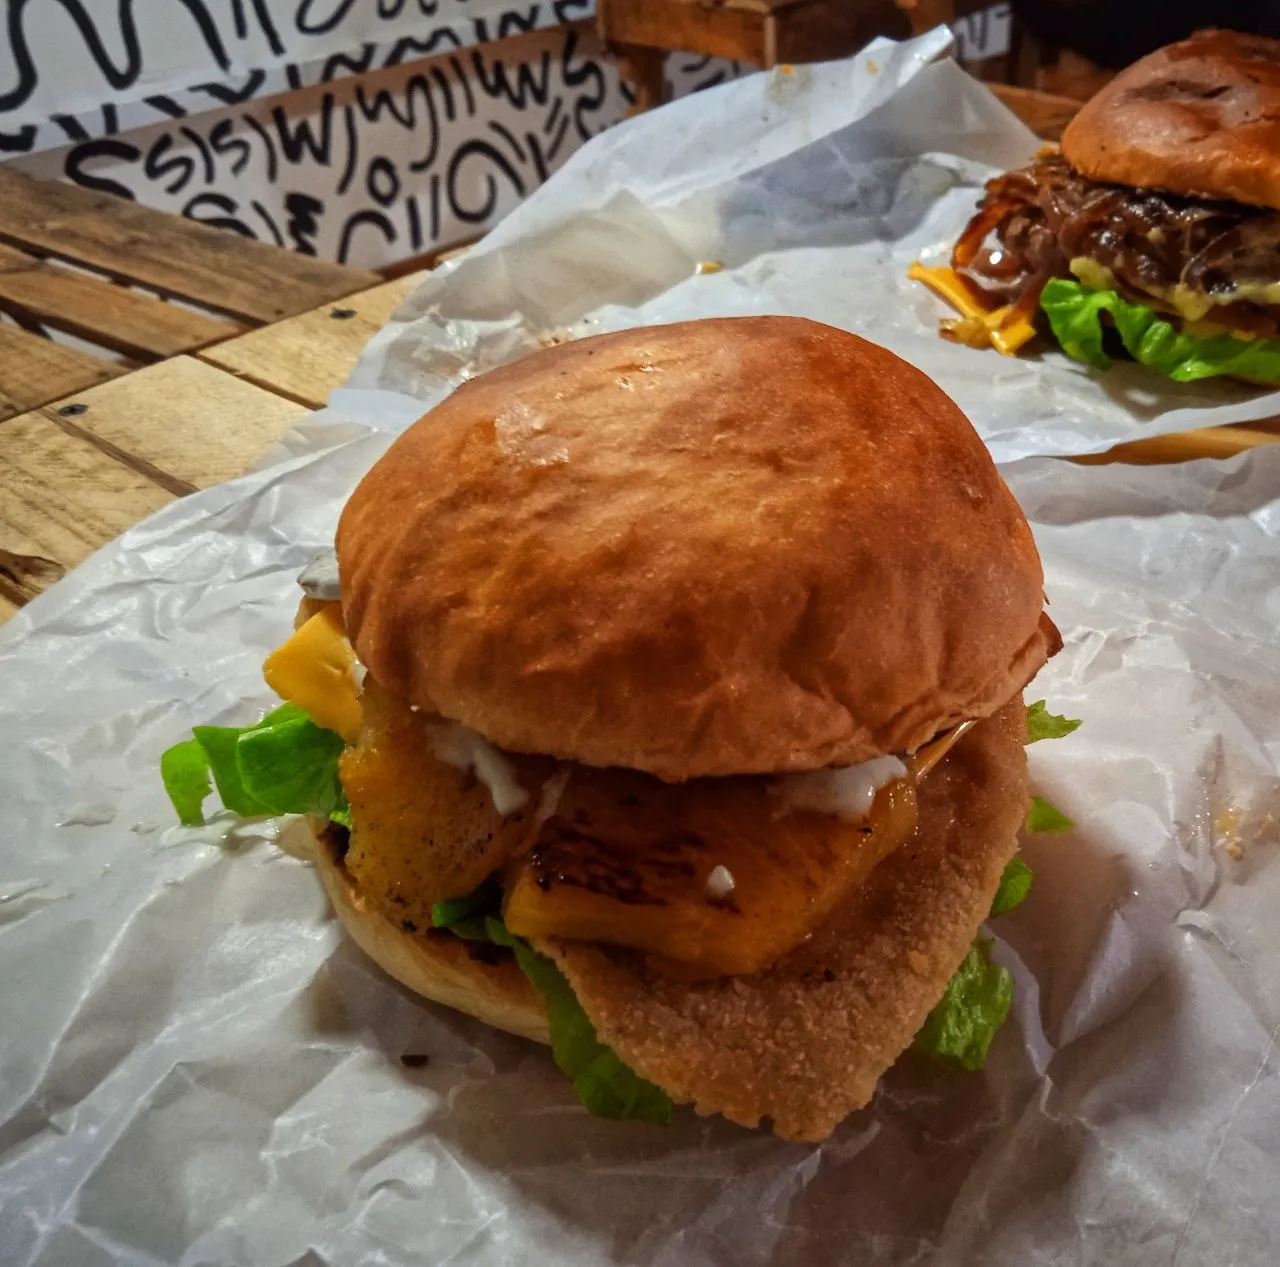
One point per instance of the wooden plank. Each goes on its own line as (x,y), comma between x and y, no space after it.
(34,371)
(183,424)
(60,499)
(717,31)
(214,268)
(824,29)
(1045,114)
(305,357)
(1186,446)
(126,321)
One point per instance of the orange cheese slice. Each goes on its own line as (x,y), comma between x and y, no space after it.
(316,669)
(1000,328)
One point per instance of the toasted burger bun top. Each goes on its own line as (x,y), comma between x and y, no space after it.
(729,546)
(1200,117)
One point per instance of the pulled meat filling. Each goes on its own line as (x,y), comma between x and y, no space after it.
(1197,259)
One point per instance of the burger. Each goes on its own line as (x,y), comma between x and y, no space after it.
(663,703)
(1154,234)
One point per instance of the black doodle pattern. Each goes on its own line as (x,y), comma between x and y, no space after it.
(246,49)
(377,168)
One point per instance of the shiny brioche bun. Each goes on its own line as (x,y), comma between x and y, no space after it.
(1200,117)
(804,1042)
(727,546)
(440,967)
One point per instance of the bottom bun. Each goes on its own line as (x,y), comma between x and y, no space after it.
(438,966)
(804,1042)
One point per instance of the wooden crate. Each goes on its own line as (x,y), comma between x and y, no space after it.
(119,277)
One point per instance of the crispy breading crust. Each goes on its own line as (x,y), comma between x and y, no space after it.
(805,1042)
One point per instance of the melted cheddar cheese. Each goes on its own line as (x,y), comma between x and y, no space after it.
(1000,328)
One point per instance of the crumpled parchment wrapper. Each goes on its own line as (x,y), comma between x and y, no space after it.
(196,1068)
(814,187)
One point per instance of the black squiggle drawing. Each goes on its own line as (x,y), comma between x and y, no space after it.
(222,140)
(407,48)
(299,139)
(167,105)
(194,210)
(267,27)
(304,23)
(304,223)
(122,76)
(158,167)
(230,96)
(106,147)
(382,181)
(531,85)
(74,129)
(20,142)
(354,221)
(576,76)
(378,167)
(267,219)
(482,149)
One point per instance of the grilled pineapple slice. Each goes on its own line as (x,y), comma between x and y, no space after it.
(423,830)
(630,861)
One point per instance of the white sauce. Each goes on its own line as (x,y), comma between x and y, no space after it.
(466,749)
(358,675)
(552,791)
(845,791)
(319,579)
(720,883)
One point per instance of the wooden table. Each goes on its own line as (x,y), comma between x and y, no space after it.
(763,32)
(137,285)
(100,455)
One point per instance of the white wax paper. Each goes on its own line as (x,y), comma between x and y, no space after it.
(196,1068)
(816,187)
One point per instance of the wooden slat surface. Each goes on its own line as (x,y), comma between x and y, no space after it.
(720,31)
(60,499)
(34,371)
(185,424)
(126,321)
(217,269)
(1045,114)
(72,480)
(305,357)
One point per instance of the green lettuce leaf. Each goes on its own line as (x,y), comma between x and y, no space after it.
(1075,315)
(283,764)
(291,766)
(960,1028)
(185,771)
(1042,724)
(1015,884)
(603,1083)
(467,917)
(1043,816)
